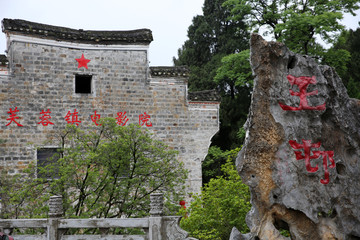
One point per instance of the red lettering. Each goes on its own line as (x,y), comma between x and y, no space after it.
(302,83)
(145,119)
(310,155)
(72,118)
(95,117)
(45,118)
(122,118)
(13,117)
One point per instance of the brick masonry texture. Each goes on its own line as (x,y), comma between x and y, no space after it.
(42,76)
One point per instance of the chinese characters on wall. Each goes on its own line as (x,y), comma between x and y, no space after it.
(72,117)
(308,154)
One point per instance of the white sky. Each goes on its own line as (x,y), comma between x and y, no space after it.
(168,19)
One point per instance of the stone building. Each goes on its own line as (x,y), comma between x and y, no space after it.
(56,74)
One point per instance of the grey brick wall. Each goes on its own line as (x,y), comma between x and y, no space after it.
(41,76)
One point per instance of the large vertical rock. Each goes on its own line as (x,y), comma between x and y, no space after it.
(301,156)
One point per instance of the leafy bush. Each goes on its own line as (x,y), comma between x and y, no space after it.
(108,171)
(223,204)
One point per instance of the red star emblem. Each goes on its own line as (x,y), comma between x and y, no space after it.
(82,61)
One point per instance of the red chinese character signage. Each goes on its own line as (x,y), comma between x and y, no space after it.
(72,118)
(144,119)
(122,118)
(13,117)
(45,118)
(302,82)
(95,117)
(309,155)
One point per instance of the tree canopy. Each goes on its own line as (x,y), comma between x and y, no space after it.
(344,56)
(234,73)
(295,22)
(109,171)
(234,81)
(211,36)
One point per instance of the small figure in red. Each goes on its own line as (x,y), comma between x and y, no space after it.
(182,204)
(122,118)
(45,118)
(5,237)
(95,117)
(302,83)
(309,155)
(13,117)
(144,119)
(72,118)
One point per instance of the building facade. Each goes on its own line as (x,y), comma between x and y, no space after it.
(52,76)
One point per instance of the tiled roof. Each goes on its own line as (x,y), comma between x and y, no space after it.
(181,71)
(204,96)
(140,36)
(3,60)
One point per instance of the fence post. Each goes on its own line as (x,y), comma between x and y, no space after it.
(55,213)
(155,219)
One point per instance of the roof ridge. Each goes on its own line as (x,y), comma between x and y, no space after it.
(170,71)
(23,27)
(204,96)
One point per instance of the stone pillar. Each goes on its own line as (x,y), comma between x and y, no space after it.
(156,212)
(55,213)
(156,204)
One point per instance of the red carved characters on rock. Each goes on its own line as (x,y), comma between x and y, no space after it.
(302,82)
(310,155)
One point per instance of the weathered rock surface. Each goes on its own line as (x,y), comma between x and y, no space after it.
(301,157)
(236,235)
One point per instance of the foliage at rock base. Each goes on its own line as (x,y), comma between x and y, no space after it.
(223,204)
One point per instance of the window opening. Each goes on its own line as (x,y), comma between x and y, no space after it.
(83,83)
(47,163)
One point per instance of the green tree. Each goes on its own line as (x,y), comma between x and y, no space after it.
(109,171)
(211,166)
(234,75)
(212,36)
(223,204)
(294,22)
(344,56)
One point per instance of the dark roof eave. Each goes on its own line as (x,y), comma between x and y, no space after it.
(22,27)
(178,71)
(204,96)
